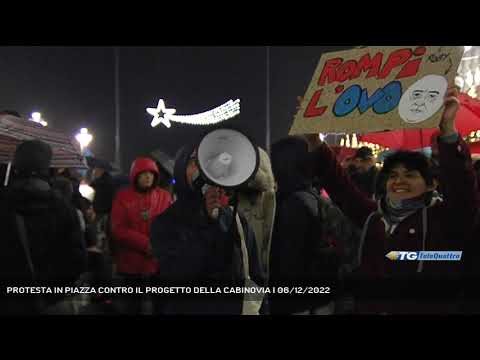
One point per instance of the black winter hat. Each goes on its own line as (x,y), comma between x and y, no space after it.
(363,153)
(33,157)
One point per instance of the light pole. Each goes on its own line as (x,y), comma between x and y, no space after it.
(84,138)
(117,109)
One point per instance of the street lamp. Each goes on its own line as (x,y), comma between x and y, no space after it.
(86,191)
(84,138)
(37,117)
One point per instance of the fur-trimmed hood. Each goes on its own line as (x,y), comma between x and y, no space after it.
(264,179)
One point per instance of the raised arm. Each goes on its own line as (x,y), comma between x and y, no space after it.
(340,188)
(457,177)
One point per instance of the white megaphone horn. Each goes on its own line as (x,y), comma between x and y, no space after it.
(227,158)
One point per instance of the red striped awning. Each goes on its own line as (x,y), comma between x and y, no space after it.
(14,130)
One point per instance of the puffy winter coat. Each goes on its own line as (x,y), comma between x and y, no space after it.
(104,192)
(132,214)
(257,204)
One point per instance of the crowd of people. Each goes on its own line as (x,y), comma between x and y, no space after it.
(305,222)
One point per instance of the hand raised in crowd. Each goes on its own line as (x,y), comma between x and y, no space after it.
(452,104)
(213,200)
(299,100)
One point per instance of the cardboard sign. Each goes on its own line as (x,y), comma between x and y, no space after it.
(378,88)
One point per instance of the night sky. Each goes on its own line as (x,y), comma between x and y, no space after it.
(73,87)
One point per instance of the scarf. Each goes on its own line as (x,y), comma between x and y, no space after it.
(396,211)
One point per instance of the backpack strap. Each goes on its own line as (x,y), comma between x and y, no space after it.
(39,302)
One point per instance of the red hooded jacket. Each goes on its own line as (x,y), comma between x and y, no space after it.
(131,224)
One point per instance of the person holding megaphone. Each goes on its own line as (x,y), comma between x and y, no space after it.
(200,241)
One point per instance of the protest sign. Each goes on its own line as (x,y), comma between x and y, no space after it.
(378,88)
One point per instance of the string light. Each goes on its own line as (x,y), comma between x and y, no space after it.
(161,114)
(473,137)
(468,73)
(354,141)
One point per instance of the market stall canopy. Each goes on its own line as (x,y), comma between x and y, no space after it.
(14,130)
(467,120)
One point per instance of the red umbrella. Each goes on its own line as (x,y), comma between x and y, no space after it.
(468,120)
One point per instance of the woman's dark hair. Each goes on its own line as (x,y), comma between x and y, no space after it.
(412,160)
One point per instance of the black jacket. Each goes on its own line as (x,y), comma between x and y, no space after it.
(104,192)
(367,182)
(300,255)
(194,250)
(53,231)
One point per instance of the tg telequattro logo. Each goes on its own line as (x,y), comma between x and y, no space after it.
(424,255)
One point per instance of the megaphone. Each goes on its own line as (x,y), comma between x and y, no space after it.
(227,158)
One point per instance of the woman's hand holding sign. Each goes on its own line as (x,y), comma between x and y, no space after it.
(452,104)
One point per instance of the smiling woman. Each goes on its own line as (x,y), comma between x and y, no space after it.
(408,174)
(409,217)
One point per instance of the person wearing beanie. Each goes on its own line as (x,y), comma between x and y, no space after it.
(32,159)
(363,172)
(41,237)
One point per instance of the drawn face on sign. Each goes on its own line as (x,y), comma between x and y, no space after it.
(423,99)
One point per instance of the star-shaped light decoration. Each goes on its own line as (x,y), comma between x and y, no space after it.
(161,114)
(220,113)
